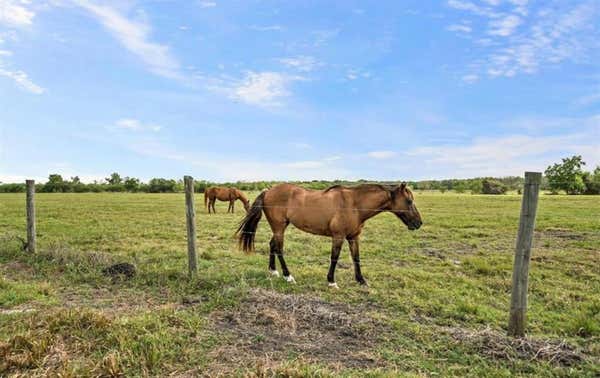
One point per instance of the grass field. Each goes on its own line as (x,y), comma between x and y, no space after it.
(437,302)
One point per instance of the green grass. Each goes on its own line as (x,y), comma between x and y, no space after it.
(453,273)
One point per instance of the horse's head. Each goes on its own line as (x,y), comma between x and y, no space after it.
(403,206)
(247,205)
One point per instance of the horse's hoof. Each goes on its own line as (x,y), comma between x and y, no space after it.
(274,273)
(289,279)
(333,285)
(363,283)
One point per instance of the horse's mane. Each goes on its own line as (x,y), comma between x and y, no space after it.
(361,187)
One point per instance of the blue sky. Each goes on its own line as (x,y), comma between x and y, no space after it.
(286,90)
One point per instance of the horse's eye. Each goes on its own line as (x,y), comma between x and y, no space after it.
(409,202)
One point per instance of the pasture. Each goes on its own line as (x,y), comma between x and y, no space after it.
(437,303)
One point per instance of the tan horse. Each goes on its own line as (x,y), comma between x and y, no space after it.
(339,212)
(211,195)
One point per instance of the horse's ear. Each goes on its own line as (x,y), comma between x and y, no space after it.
(402,186)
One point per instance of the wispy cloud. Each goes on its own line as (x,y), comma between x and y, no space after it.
(587,100)
(470,79)
(519,41)
(264,89)
(302,146)
(301,63)
(134,35)
(15,13)
(512,154)
(504,26)
(207,4)
(267,28)
(22,80)
(308,164)
(136,125)
(381,154)
(459,28)
(354,73)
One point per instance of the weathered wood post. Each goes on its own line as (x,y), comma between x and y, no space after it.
(190,213)
(518,300)
(30,201)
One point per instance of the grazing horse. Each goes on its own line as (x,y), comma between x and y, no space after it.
(339,212)
(211,195)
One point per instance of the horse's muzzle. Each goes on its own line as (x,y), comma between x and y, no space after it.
(414,225)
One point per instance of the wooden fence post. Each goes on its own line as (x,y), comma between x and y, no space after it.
(30,215)
(191,224)
(518,300)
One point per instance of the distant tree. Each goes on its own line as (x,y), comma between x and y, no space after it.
(567,176)
(592,181)
(161,185)
(55,184)
(476,186)
(489,186)
(114,179)
(460,187)
(131,184)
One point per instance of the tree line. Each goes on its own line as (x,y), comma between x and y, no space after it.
(567,176)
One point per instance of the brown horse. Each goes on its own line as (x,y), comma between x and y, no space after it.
(211,195)
(339,212)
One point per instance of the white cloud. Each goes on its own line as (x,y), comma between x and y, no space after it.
(262,88)
(381,154)
(588,100)
(471,7)
(459,28)
(354,73)
(22,80)
(136,125)
(267,28)
(511,154)
(134,35)
(301,63)
(309,164)
(520,42)
(470,79)
(207,4)
(504,26)
(15,13)
(302,146)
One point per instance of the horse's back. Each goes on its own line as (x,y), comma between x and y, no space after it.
(309,210)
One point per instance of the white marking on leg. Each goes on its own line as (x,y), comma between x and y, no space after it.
(290,279)
(274,273)
(333,285)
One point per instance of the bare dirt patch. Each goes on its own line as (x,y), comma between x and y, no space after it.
(17,270)
(273,326)
(559,233)
(114,300)
(496,345)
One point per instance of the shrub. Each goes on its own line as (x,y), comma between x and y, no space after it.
(489,186)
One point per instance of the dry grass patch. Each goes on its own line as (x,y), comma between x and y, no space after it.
(271,326)
(496,345)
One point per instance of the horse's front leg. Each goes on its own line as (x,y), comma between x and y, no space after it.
(336,247)
(232,206)
(353,243)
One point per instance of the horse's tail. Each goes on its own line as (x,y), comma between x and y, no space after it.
(247,230)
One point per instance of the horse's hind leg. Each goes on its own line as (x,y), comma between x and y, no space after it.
(353,243)
(212,204)
(272,252)
(278,230)
(336,247)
